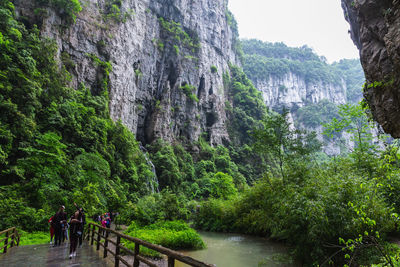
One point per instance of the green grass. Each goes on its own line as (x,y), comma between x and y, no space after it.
(171,234)
(34,238)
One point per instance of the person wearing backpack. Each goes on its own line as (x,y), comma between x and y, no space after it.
(58,220)
(51,230)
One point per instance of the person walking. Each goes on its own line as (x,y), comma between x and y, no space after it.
(83,226)
(108,221)
(103,221)
(75,231)
(58,219)
(51,230)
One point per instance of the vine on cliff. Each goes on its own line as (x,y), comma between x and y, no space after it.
(179,35)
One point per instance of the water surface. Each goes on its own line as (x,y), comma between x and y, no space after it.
(236,250)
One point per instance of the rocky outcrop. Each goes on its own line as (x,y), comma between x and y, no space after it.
(161,84)
(375,31)
(292,91)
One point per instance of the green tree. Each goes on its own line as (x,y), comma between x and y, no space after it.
(222,186)
(354,121)
(44,165)
(167,167)
(283,146)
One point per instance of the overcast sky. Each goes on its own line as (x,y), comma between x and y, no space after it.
(318,23)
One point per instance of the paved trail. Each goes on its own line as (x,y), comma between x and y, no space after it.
(48,256)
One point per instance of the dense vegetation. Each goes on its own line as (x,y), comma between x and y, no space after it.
(209,173)
(311,204)
(350,71)
(245,111)
(263,59)
(67,9)
(58,145)
(314,115)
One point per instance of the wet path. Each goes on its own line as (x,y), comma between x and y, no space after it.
(47,256)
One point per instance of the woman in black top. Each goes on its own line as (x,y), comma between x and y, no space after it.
(75,230)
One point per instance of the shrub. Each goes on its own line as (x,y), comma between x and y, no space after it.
(173,235)
(188,91)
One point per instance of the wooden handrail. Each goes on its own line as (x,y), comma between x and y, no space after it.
(11,233)
(101,233)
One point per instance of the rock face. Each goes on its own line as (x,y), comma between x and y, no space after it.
(293,91)
(162,52)
(375,31)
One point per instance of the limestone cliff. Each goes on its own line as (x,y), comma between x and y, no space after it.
(293,93)
(168,58)
(375,31)
(292,90)
(303,83)
(292,78)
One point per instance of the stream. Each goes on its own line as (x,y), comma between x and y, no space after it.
(237,250)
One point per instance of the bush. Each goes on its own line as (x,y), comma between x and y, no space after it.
(222,186)
(158,206)
(216,215)
(17,213)
(174,235)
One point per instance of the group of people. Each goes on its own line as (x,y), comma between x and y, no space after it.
(104,219)
(59,226)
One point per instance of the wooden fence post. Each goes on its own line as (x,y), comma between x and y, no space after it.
(86,234)
(98,239)
(171,262)
(12,238)
(117,251)
(136,261)
(105,244)
(6,243)
(93,229)
(18,238)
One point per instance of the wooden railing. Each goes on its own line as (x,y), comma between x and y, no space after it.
(96,234)
(9,233)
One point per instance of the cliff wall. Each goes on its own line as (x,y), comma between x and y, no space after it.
(304,84)
(168,58)
(375,31)
(292,90)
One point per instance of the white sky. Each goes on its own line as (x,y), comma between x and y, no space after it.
(320,24)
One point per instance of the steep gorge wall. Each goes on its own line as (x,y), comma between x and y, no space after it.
(294,77)
(375,31)
(299,81)
(292,90)
(161,51)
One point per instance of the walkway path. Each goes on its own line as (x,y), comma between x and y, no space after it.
(47,256)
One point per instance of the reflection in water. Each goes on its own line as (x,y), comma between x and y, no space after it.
(234,250)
